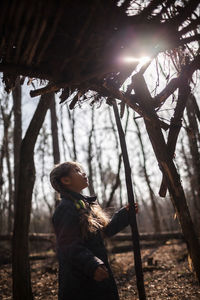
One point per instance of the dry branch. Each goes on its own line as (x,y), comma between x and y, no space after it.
(170,172)
(186,74)
(51,87)
(175,126)
(34,43)
(132,213)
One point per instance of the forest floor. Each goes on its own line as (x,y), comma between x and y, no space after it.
(169,277)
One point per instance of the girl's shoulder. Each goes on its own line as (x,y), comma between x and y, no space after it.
(65,208)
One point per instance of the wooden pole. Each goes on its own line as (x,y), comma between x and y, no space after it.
(132,215)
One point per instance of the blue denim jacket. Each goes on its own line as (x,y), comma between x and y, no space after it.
(79,258)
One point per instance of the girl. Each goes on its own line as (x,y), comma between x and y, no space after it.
(80,226)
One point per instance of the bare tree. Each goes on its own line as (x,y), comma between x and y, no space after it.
(54,130)
(6,153)
(71,116)
(43,153)
(193,137)
(63,138)
(189,175)
(20,251)
(98,156)
(156,220)
(17,137)
(90,154)
(55,140)
(119,154)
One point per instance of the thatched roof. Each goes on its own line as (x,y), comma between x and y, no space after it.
(76,44)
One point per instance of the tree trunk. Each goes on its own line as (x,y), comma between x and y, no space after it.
(190,179)
(54,130)
(43,145)
(98,150)
(55,140)
(72,127)
(20,250)
(117,178)
(5,153)
(156,220)
(192,132)
(90,156)
(2,154)
(63,139)
(147,212)
(10,186)
(17,138)
(116,183)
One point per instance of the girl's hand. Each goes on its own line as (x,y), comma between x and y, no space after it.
(136,207)
(101,273)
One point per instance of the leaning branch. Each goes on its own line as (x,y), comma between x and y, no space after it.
(187,72)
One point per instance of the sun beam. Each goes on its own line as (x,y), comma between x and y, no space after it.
(142,60)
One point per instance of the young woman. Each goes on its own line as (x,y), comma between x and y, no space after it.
(80,226)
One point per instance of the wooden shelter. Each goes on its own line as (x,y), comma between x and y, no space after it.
(68,43)
(79,44)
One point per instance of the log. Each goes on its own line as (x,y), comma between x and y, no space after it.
(50,237)
(40,256)
(149,236)
(128,248)
(47,237)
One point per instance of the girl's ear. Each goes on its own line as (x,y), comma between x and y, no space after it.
(65,180)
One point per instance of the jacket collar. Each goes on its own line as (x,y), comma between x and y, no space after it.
(78,196)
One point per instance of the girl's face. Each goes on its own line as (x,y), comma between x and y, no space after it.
(77,179)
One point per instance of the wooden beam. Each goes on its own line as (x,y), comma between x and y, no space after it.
(132,214)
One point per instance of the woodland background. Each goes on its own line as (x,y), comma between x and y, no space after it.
(88,135)
(78,59)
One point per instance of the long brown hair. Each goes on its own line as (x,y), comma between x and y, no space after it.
(92,217)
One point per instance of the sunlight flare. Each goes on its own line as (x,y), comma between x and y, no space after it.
(141,60)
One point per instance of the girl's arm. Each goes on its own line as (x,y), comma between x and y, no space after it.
(70,244)
(119,221)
